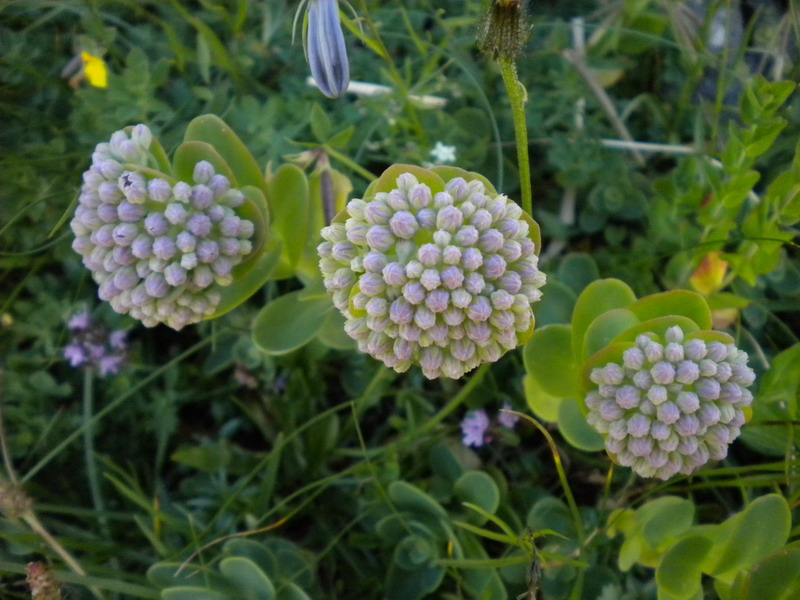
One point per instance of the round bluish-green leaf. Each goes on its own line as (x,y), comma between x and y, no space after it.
(256,552)
(247,579)
(193,593)
(556,305)
(289,199)
(777,577)
(679,573)
(404,584)
(548,358)
(544,405)
(605,328)
(577,271)
(289,322)
(332,333)
(413,552)
(551,513)
(676,302)
(576,430)
(476,487)
(598,297)
(752,535)
(409,497)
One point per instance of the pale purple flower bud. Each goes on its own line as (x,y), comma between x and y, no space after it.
(156,224)
(708,368)
(156,285)
(164,247)
(724,372)
(426,218)
(133,186)
(221,267)
(186,242)
(633,358)
(642,380)
(451,255)
(472,259)
(687,425)
(189,261)
(481,220)
(371,284)
(380,238)
(474,283)
(511,251)
(414,269)
(673,352)
(479,309)
(202,276)
(638,425)
(654,352)
(612,374)
(668,413)
(663,373)
(414,292)
(343,251)
(610,411)
(182,191)
(709,413)
(466,236)
(394,274)
(618,430)
(641,446)
(202,197)
(429,255)
(403,225)
(687,372)
(628,397)
(501,299)
(107,213)
(430,279)
(246,229)
(125,233)
(203,172)
(377,213)
(491,240)
(695,349)
(450,219)
(660,431)
(200,225)
(159,190)
(742,375)
(207,251)
(174,274)
(437,300)
(717,351)
(175,213)
(708,389)
(494,266)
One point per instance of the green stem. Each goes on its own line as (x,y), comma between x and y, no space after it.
(351,164)
(518,96)
(88,450)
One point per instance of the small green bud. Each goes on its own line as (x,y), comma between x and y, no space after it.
(505,29)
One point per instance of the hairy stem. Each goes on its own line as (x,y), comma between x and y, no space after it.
(518,96)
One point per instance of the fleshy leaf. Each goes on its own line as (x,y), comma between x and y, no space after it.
(287,323)
(576,430)
(544,405)
(605,328)
(189,154)
(598,297)
(213,130)
(677,302)
(289,198)
(548,358)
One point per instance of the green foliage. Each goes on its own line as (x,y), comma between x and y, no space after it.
(353,481)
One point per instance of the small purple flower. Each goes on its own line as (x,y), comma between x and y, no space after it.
(507,419)
(92,346)
(474,427)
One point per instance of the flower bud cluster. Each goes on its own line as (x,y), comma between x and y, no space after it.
(671,407)
(444,280)
(156,247)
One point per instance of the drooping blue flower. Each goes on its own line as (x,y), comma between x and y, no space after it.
(474,427)
(91,345)
(325,48)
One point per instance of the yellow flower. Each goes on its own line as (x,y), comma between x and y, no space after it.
(708,277)
(95,70)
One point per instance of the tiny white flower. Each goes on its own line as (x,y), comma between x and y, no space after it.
(443,154)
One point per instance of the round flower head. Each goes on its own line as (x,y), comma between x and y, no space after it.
(443,280)
(671,405)
(156,247)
